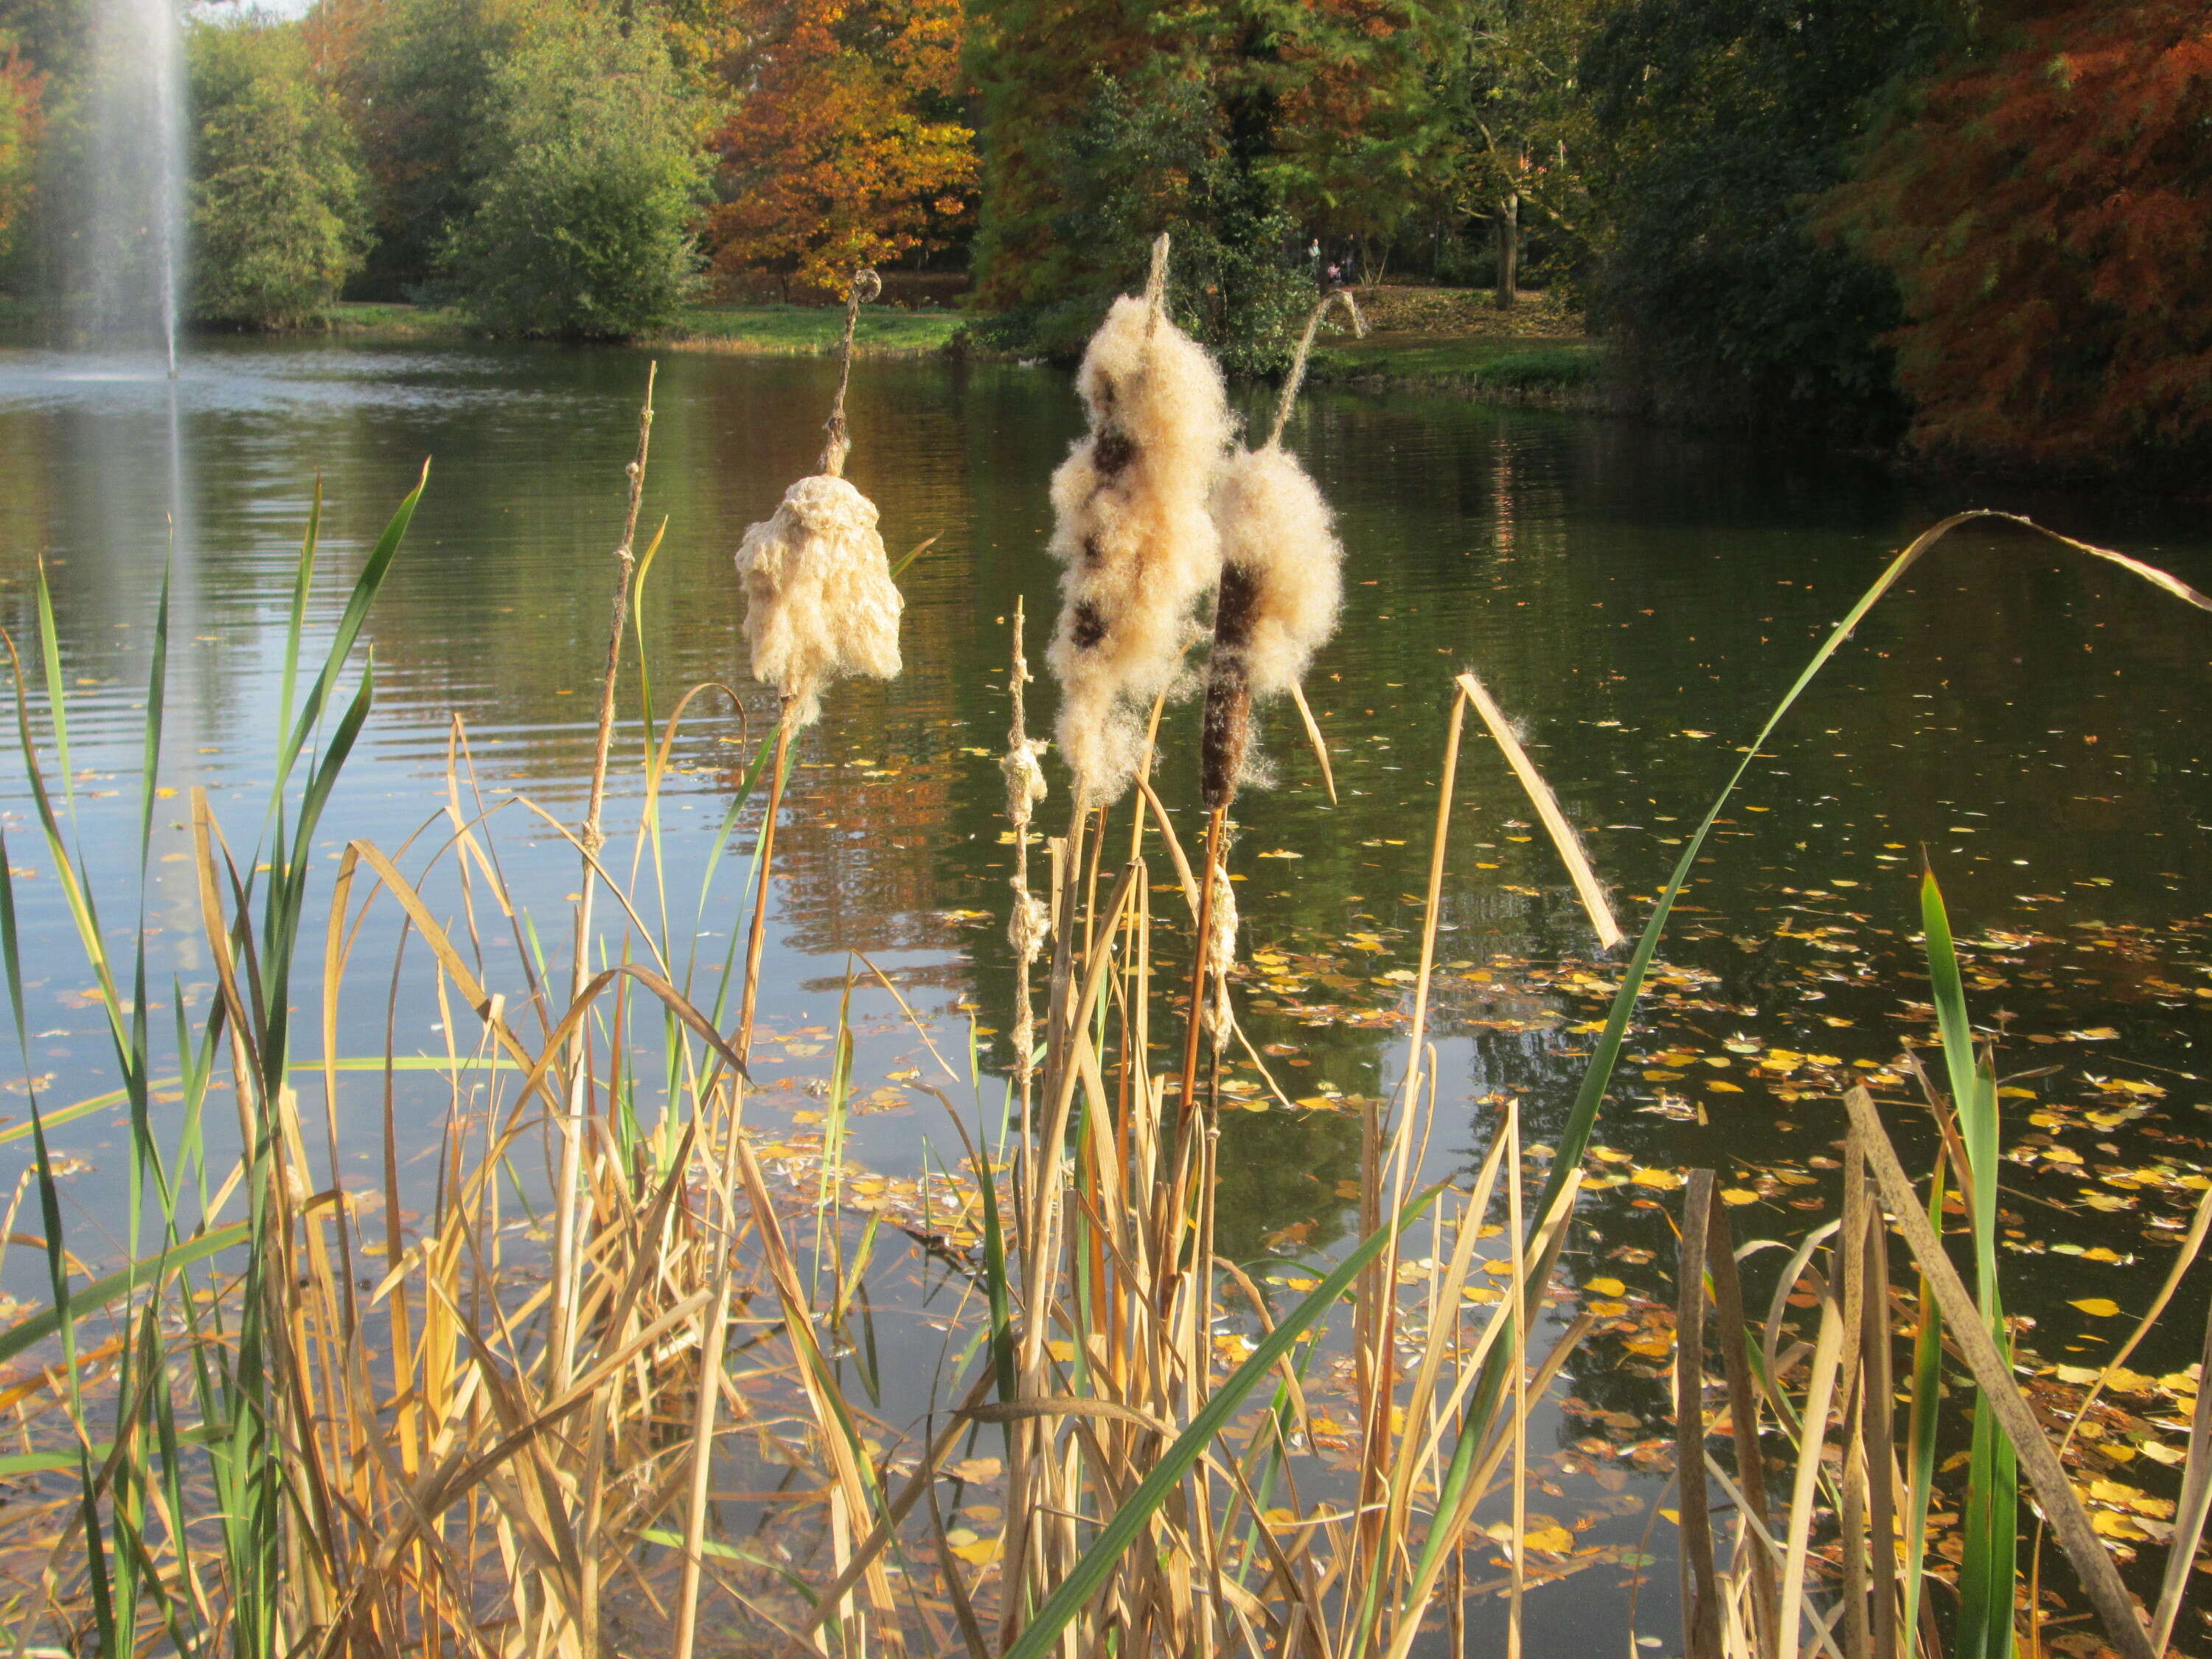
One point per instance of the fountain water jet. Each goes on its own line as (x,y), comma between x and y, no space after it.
(133,232)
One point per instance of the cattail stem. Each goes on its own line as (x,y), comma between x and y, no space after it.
(1187,1098)
(592,837)
(1292,380)
(757,939)
(865,286)
(1156,283)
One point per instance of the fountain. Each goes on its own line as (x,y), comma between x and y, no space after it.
(131,239)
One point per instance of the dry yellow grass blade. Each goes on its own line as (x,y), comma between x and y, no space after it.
(1563,834)
(1314,737)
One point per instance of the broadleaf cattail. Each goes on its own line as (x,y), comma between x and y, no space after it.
(820,604)
(1133,531)
(1282,583)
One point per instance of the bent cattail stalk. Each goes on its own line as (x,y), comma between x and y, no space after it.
(1133,531)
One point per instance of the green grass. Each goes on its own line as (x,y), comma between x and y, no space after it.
(806,331)
(1502,363)
(770,331)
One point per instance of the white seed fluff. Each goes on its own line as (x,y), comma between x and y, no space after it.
(1133,532)
(1275,527)
(820,603)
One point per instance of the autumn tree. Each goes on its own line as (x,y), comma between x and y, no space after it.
(2045,206)
(846,144)
(23,117)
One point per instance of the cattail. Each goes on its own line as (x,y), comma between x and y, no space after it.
(1133,531)
(1282,583)
(820,604)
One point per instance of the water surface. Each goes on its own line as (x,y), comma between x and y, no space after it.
(1635,598)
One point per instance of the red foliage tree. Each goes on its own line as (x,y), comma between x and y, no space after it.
(2046,208)
(844,146)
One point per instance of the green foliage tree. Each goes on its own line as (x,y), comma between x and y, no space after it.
(1718,123)
(1158,153)
(1515,124)
(581,223)
(1231,125)
(416,77)
(277,220)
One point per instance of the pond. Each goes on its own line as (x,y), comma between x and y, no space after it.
(1635,598)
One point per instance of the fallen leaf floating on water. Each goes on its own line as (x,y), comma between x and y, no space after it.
(2097,1307)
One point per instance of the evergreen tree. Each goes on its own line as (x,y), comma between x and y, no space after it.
(1226,126)
(277,222)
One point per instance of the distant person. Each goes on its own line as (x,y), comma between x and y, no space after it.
(1313,259)
(1335,275)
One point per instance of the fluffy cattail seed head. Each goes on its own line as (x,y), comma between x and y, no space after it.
(820,603)
(1282,584)
(1134,534)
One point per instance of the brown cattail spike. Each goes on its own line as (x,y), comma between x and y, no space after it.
(1227,734)
(1281,582)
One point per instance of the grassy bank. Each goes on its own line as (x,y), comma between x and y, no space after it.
(766,330)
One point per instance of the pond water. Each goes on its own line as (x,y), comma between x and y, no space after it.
(1635,599)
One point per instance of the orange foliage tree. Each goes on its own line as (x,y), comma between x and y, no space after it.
(2046,209)
(23,118)
(845,144)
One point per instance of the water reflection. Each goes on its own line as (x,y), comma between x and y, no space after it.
(1635,598)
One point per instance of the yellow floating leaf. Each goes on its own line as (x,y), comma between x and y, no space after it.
(1606,1287)
(1664,1180)
(1721,1086)
(1550,1540)
(1738,1195)
(981,1552)
(2097,1307)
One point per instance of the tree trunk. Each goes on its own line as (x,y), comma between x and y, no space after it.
(1509,250)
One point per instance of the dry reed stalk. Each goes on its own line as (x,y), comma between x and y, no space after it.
(1701,1623)
(2116,1610)
(1030,924)
(577,1108)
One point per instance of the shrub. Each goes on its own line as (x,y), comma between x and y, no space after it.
(582,224)
(277,222)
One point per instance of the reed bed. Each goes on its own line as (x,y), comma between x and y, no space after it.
(301,1420)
